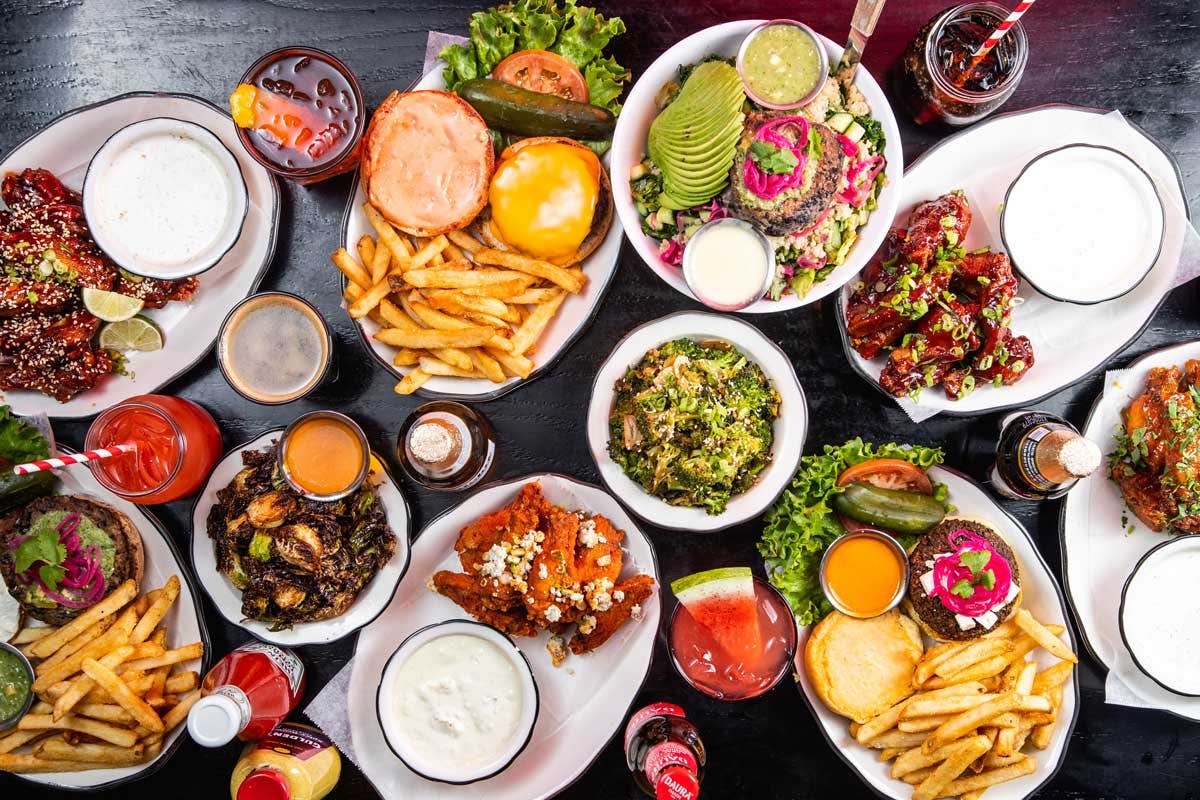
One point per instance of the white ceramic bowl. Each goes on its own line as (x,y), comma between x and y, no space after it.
(212,251)
(385,697)
(629,148)
(791,426)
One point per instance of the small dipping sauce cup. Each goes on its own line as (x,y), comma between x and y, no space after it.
(178,444)
(783,64)
(944,48)
(728,264)
(446,446)
(274,348)
(709,667)
(864,573)
(16,682)
(324,455)
(300,114)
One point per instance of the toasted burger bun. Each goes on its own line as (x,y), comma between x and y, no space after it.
(862,667)
(129,558)
(602,217)
(937,621)
(427,162)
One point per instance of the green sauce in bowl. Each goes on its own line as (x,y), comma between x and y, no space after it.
(782,64)
(15,684)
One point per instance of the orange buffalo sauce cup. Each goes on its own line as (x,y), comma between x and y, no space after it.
(864,573)
(324,455)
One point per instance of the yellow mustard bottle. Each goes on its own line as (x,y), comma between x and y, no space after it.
(292,762)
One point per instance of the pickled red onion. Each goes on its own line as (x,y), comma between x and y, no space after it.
(949,570)
(81,568)
(769,185)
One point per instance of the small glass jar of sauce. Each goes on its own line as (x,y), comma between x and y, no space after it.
(299,112)
(783,64)
(936,84)
(446,446)
(274,348)
(324,455)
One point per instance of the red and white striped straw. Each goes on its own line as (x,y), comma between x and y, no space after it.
(996,36)
(77,458)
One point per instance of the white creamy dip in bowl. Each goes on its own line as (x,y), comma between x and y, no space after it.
(457,702)
(1159,615)
(165,198)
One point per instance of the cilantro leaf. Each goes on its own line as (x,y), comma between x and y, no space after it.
(773,160)
(44,548)
(51,575)
(975,560)
(986,579)
(963,589)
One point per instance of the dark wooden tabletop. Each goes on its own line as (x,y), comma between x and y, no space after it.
(1140,57)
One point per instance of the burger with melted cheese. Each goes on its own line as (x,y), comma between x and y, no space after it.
(551,199)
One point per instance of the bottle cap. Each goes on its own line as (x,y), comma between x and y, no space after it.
(214,720)
(1064,455)
(676,782)
(264,784)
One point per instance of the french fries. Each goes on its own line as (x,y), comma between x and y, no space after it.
(105,693)
(978,706)
(476,307)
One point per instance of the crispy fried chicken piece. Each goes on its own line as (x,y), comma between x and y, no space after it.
(929,223)
(942,338)
(20,298)
(155,293)
(79,369)
(66,331)
(636,590)
(466,592)
(36,187)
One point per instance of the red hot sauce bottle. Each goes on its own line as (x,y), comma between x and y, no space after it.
(247,693)
(664,752)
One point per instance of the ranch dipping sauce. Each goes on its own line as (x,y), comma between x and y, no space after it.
(164,198)
(1083,224)
(728,264)
(274,348)
(1160,616)
(782,64)
(457,702)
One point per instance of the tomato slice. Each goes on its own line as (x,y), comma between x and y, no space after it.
(889,473)
(544,72)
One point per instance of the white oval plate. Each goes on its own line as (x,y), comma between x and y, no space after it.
(583,702)
(185,624)
(65,147)
(1062,355)
(1099,551)
(791,426)
(1043,598)
(629,148)
(228,600)
(572,319)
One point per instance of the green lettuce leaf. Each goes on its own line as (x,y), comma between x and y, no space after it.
(20,441)
(801,525)
(537,23)
(605,81)
(460,65)
(586,34)
(494,36)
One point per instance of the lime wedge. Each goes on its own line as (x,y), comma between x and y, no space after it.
(111,306)
(138,333)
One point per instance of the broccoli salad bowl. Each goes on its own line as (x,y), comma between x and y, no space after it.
(821,181)
(696,421)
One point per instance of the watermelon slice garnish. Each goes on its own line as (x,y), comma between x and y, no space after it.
(724,603)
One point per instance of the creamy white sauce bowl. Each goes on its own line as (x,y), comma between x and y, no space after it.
(400,743)
(1159,615)
(165,198)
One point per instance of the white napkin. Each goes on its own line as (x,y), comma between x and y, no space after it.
(328,710)
(986,189)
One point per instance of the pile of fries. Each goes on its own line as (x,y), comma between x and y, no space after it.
(977,705)
(462,304)
(106,694)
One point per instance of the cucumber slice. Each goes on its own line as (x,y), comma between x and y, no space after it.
(840,121)
(854,131)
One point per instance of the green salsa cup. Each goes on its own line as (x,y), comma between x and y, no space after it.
(783,64)
(16,682)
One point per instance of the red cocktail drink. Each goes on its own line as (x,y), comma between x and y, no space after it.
(729,663)
(178,444)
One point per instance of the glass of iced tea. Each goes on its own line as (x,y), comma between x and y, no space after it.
(178,444)
(939,83)
(299,112)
